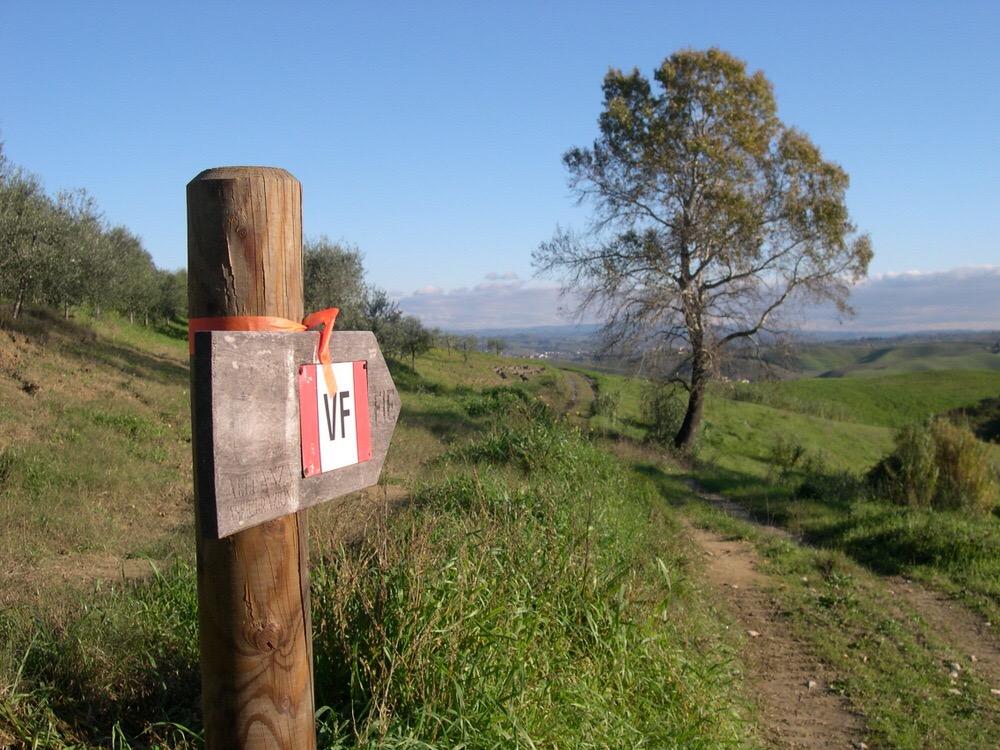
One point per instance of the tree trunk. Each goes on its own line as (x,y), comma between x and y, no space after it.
(66,311)
(19,302)
(131,317)
(685,437)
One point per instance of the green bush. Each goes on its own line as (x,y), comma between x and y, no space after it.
(663,409)
(936,464)
(965,478)
(909,475)
(786,454)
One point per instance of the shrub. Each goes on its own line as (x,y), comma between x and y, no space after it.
(965,477)
(909,475)
(664,411)
(936,464)
(786,454)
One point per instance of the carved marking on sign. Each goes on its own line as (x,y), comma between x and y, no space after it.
(385,406)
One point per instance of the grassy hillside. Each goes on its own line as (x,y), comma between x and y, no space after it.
(885,400)
(94,451)
(886,358)
(531,591)
(526,590)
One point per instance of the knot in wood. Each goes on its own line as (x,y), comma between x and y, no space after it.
(264,636)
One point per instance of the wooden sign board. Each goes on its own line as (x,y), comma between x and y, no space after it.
(251,464)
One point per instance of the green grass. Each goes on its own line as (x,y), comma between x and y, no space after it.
(535,592)
(528,598)
(889,660)
(822,498)
(537,601)
(95,457)
(529,595)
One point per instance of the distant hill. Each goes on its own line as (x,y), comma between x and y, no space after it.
(890,356)
(816,354)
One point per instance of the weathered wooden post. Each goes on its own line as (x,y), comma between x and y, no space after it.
(282,419)
(245,259)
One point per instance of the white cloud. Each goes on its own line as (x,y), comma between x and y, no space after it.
(429,289)
(501,300)
(966,298)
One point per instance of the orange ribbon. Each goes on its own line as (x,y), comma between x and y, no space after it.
(323,318)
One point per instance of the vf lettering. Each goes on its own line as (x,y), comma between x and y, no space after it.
(337,413)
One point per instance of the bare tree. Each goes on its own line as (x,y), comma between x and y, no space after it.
(710,216)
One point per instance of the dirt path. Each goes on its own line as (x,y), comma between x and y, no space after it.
(797,710)
(975,643)
(581,393)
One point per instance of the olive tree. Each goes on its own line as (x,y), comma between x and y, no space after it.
(413,338)
(496,345)
(334,276)
(30,228)
(710,216)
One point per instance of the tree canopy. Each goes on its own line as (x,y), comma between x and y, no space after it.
(60,252)
(710,216)
(334,276)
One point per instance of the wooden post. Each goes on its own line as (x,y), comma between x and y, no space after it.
(245,258)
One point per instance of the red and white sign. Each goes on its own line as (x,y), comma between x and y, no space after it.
(336,431)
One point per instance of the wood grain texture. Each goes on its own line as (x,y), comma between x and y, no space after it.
(251,469)
(245,258)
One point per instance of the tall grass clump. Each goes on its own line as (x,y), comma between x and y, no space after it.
(513,610)
(937,464)
(605,404)
(121,671)
(506,400)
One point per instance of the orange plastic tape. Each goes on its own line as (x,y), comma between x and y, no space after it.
(325,318)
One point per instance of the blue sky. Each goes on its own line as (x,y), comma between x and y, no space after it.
(430,134)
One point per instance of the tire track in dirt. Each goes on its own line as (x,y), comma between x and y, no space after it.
(790,686)
(974,642)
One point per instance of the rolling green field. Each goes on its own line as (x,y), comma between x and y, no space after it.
(886,400)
